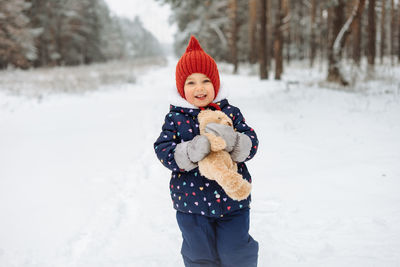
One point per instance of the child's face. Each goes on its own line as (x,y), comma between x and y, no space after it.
(199,90)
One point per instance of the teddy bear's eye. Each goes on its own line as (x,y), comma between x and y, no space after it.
(219,118)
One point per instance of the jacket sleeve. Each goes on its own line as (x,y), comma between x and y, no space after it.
(240,125)
(166,143)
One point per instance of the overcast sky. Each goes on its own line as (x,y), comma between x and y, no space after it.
(153,15)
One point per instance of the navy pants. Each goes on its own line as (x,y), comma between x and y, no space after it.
(217,242)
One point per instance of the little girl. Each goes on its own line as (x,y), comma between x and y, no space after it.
(215,228)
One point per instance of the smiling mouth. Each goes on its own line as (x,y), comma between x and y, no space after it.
(201,97)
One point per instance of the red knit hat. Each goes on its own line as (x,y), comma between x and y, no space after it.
(195,60)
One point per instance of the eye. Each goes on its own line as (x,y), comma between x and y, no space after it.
(190,83)
(206,81)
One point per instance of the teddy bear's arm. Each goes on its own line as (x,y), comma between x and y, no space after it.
(217,142)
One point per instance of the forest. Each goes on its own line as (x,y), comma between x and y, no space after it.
(270,33)
(273,33)
(38,33)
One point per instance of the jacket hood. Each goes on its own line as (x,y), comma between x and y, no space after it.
(195,110)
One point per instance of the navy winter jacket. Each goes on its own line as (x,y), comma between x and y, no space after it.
(190,191)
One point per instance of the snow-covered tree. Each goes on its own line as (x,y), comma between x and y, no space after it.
(207,20)
(16,37)
(68,32)
(137,41)
(341,32)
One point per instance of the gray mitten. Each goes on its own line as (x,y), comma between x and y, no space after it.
(238,144)
(225,132)
(187,154)
(242,148)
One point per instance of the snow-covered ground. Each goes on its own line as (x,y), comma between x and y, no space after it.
(80,184)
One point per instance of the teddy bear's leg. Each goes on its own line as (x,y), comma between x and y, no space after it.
(235,186)
(217,142)
(242,192)
(218,166)
(211,167)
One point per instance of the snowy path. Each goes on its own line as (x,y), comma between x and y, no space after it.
(80,184)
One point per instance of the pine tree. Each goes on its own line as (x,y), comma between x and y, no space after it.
(253,6)
(357,37)
(263,45)
(371,51)
(233,40)
(16,36)
(341,31)
(287,21)
(392,29)
(312,30)
(383,30)
(278,38)
(398,31)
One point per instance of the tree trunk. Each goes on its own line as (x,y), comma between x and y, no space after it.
(263,47)
(383,30)
(371,51)
(288,33)
(348,51)
(321,36)
(288,46)
(392,29)
(340,34)
(278,42)
(270,31)
(300,31)
(312,35)
(357,38)
(252,31)
(328,41)
(234,34)
(334,74)
(398,29)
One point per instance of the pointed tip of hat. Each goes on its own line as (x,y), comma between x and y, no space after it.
(193,44)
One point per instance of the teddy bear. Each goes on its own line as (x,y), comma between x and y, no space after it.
(218,165)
